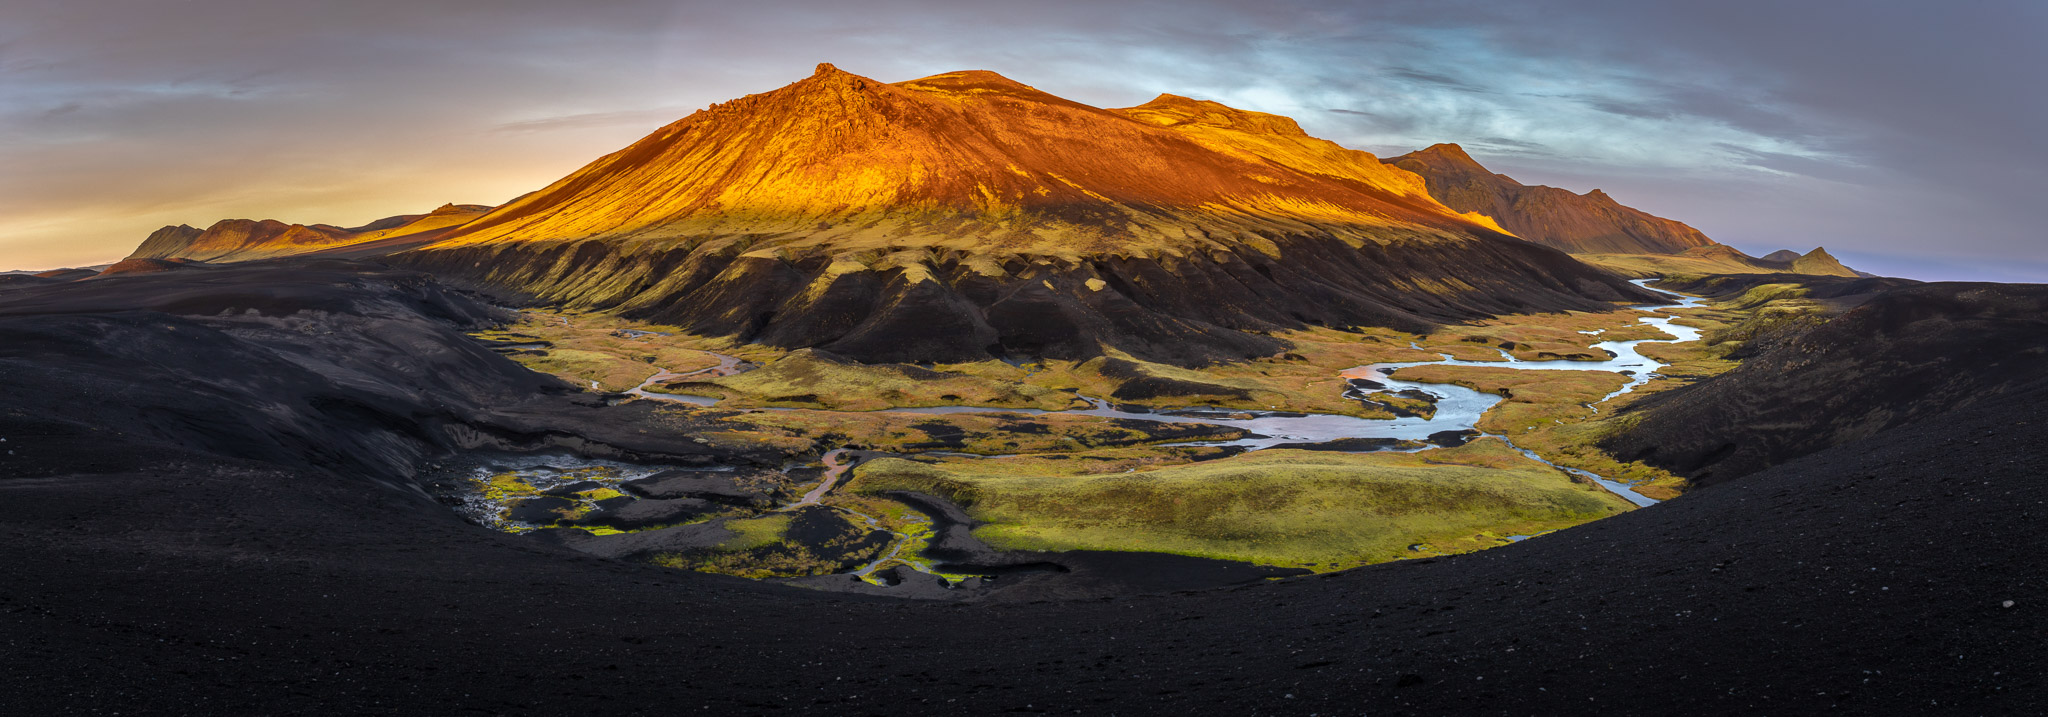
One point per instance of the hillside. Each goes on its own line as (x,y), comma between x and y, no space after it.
(965,215)
(1578,223)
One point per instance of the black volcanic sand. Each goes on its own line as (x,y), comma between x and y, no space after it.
(1902,356)
(1194,310)
(1840,292)
(153,570)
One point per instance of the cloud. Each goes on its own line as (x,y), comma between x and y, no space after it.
(647,119)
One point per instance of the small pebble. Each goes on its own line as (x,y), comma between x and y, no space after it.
(2008,603)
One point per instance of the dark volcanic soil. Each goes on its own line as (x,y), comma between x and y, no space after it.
(1903,356)
(1189,311)
(1899,574)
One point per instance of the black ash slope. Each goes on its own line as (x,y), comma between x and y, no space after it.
(1866,579)
(1902,356)
(1203,308)
(336,366)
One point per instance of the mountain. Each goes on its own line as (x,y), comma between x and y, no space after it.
(247,239)
(1721,259)
(1578,223)
(966,215)
(1817,262)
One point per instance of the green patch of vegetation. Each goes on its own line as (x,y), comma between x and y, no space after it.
(975,433)
(1532,398)
(1114,460)
(1280,507)
(807,379)
(751,533)
(611,372)
(505,486)
(616,353)
(761,549)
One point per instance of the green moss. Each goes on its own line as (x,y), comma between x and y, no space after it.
(610,371)
(505,486)
(805,379)
(750,533)
(1275,507)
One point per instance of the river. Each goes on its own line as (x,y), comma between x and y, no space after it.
(1457,408)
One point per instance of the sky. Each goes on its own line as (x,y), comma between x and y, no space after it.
(1906,137)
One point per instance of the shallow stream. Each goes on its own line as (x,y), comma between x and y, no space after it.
(1458,409)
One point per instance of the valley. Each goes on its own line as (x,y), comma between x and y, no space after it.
(1461,439)
(950,393)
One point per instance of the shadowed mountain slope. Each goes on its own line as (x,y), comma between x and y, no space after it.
(1901,356)
(1578,223)
(966,215)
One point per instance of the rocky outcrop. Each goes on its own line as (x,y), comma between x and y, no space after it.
(1578,223)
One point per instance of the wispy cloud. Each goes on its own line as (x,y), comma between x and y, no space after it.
(647,118)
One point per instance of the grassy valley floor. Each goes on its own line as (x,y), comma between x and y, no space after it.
(1054,482)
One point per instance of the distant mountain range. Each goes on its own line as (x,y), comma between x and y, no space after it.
(965,215)
(246,239)
(1578,223)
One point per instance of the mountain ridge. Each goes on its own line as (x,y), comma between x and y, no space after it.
(250,239)
(1578,223)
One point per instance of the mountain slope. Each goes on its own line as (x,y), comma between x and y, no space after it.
(966,215)
(1578,223)
(247,239)
(1902,356)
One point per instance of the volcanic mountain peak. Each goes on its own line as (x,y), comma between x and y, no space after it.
(976,162)
(964,215)
(1579,223)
